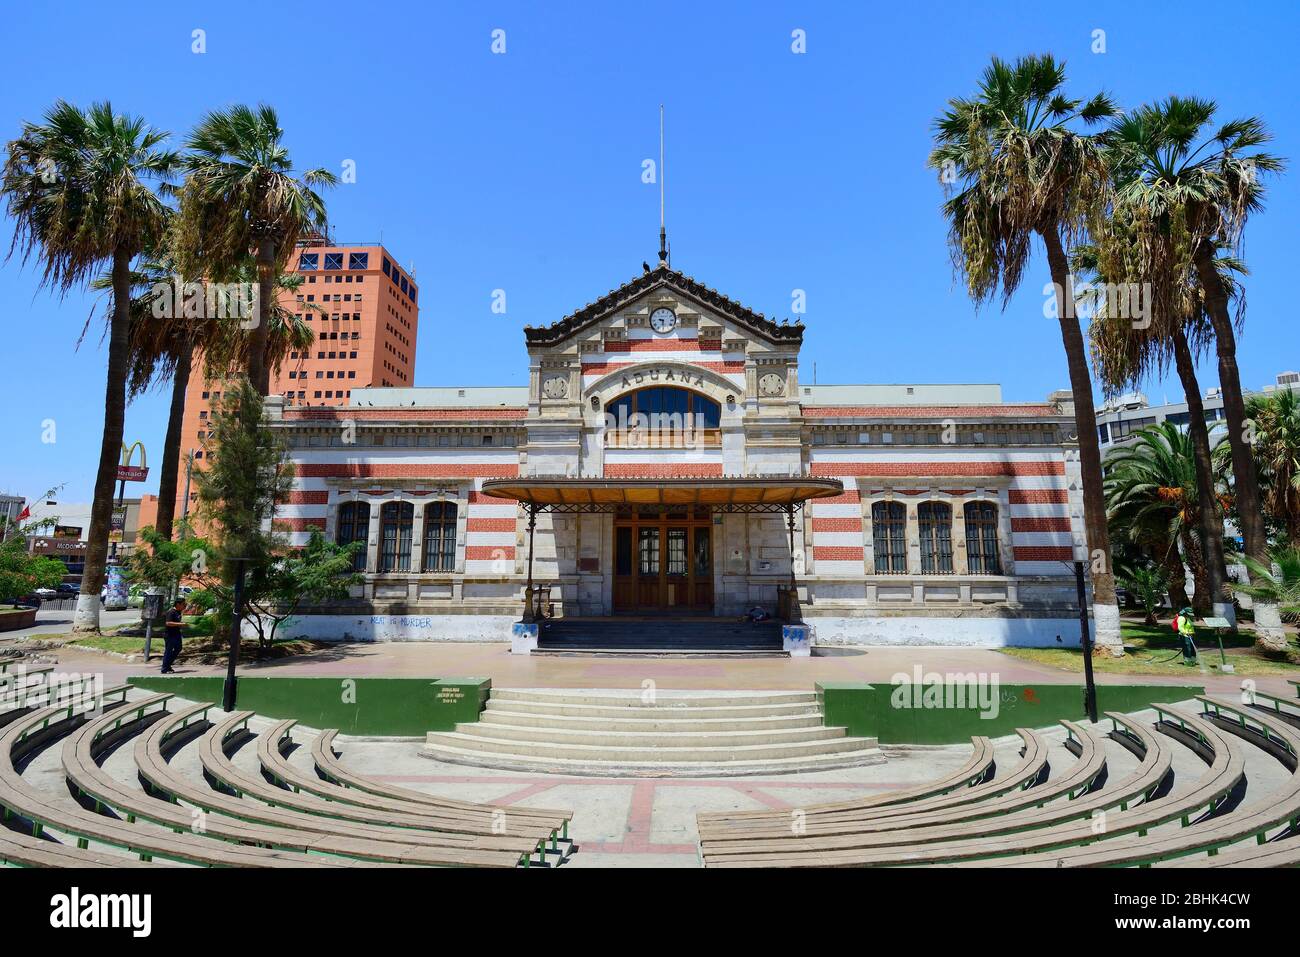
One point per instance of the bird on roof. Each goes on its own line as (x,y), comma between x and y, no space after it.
(645,265)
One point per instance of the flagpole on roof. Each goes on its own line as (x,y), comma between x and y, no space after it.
(663,234)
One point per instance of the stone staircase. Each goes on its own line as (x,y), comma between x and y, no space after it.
(703,734)
(683,636)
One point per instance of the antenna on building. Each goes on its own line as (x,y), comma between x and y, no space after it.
(663,233)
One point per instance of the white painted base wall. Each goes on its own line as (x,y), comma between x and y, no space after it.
(938,632)
(955,632)
(398,627)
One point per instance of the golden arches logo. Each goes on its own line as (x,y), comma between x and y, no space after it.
(128,453)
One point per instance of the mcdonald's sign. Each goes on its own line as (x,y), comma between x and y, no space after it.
(126,472)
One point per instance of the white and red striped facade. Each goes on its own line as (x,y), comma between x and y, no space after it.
(915,447)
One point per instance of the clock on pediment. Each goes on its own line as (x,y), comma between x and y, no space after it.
(663,320)
(771,385)
(555,387)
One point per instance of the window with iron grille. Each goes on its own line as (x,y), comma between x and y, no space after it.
(333,260)
(889,536)
(395,521)
(440,537)
(358,261)
(934,522)
(354,526)
(308,262)
(982,539)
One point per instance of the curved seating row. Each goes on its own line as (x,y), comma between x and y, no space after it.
(229,817)
(1081,819)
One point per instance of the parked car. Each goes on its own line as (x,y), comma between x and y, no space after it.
(23,601)
(45,593)
(68,590)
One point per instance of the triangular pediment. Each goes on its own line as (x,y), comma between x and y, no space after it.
(678,284)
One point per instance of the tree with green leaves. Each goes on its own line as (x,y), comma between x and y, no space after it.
(1017,166)
(1188,190)
(1281,589)
(241,194)
(319,573)
(1173,329)
(21,571)
(165,343)
(83,188)
(1276,419)
(1148,583)
(1151,494)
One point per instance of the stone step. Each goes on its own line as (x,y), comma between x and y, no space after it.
(659,712)
(636,740)
(633,699)
(717,755)
(650,722)
(660,768)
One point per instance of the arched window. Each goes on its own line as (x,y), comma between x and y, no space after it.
(888,531)
(440,537)
(934,522)
(662,417)
(982,539)
(395,520)
(354,526)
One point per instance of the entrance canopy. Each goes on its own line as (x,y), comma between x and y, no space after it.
(767,494)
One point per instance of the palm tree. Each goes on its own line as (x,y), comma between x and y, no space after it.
(1151,497)
(1190,194)
(166,349)
(1277,458)
(79,186)
(1125,352)
(1016,167)
(1282,590)
(241,196)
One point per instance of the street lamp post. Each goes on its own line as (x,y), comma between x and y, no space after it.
(232,659)
(1085,638)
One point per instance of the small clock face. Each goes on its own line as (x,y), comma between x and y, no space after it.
(555,387)
(663,319)
(771,384)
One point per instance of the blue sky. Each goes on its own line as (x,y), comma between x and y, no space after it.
(522,171)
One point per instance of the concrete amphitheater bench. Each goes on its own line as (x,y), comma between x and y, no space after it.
(978,769)
(1223,778)
(90,783)
(1008,812)
(331,769)
(483,818)
(363,841)
(23,850)
(32,732)
(491,823)
(1288,709)
(80,692)
(15,687)
(1280,809)
(845,816)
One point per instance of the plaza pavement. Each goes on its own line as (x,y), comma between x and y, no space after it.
(643,822)
(493,660)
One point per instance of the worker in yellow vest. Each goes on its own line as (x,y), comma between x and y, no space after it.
(1186,628)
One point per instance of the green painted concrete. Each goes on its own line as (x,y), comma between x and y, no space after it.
(950,713)
(372,706)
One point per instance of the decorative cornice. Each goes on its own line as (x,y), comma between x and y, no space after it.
(616,299)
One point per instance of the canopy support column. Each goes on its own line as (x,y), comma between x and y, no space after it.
(530,607)
(788,597)
(789,518)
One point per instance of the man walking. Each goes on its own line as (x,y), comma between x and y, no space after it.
(172,635)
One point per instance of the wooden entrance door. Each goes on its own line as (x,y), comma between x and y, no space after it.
(663,561)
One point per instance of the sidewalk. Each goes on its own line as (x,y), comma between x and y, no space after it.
(493,660)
